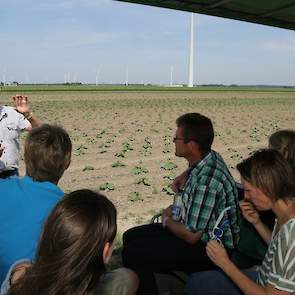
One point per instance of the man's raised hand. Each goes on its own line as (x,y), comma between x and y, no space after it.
(21,104)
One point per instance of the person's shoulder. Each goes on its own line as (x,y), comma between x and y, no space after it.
(215,162)
(215,156)
(7,182)
(46,188)
(287,232)
(289,227)
(9,109)
(12,112)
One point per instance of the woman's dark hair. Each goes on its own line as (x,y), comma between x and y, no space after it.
(269,171)
(198,128)
(284,142)
(69,259)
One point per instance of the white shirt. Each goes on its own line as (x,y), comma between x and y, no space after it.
(12,123)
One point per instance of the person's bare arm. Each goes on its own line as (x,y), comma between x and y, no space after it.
(22,106)
(179,229)
(247,286)
(252,216)
(219,256)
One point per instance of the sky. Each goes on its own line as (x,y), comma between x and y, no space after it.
(49,41)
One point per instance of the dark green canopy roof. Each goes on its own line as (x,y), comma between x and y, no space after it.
(277,13)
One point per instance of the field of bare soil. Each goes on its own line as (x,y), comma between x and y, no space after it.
(122,141)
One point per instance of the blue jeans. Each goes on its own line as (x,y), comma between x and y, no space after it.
(214,282)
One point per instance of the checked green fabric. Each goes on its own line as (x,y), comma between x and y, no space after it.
(208,190)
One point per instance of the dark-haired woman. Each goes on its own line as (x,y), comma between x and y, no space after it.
(76,243)
(268,182)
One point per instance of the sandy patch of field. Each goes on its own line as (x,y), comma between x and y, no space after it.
(125,138)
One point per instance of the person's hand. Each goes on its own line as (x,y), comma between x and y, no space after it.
(167,212)
(178,183)
(249,212)
(19,270)
(217,253)
(21,104)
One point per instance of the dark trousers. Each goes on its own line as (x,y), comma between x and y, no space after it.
(152,249)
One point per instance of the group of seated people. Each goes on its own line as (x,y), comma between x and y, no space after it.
(53,243)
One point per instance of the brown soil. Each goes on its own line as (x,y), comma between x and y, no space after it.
(102,124)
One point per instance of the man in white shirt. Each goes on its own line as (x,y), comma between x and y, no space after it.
(12,122)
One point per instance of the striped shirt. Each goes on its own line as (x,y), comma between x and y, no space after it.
(208,190)
(278,266)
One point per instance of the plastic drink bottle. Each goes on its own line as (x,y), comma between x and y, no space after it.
(176,207)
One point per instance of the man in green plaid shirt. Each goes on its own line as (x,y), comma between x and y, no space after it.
(208,189)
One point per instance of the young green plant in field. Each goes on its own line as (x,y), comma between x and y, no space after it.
(80,150)
(88,168)
(118,164)
(171,176)
(126,146)
(120,154)
(134,197)
(169,165)
(91,140)
(167,144)
(143,180)
(147,147)
(167,189)
(147,143)
(100,134)
(139,170)
(107,187)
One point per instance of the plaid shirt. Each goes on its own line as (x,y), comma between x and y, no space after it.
(208,190)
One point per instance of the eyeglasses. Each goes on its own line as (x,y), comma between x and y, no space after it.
(218,228)
(181,138)
(178,138)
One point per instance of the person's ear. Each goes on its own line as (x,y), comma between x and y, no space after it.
(193,145)
(107,252)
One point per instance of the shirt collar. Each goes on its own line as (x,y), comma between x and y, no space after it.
(199,165)
(50,186)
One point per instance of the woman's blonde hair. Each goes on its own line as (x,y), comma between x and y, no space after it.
(284,142)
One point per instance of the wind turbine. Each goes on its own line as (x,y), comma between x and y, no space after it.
(96,76)
(171,76)
(75,79)
(127,76)
(4,76)
(191,56)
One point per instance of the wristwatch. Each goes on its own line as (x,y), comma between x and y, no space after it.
(28,115)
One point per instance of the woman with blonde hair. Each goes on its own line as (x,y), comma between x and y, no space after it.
(269,184)
(284,142)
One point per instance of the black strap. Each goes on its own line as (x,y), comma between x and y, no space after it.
(7,173)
